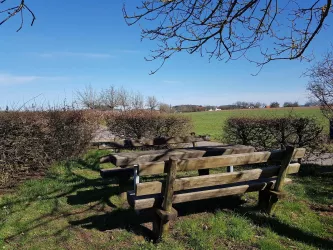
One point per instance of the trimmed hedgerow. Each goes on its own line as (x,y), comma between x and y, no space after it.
(137,124)
(31,141)
(271,133)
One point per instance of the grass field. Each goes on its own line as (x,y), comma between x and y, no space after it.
(211,122)
(73,208)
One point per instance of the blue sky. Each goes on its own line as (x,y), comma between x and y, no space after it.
(76,43)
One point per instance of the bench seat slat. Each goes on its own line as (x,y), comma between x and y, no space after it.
(155,187)
(149,201)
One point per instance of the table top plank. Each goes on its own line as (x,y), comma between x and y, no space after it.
(138,157)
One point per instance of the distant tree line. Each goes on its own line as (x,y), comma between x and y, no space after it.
(240,105)
(113,98)
(189,108)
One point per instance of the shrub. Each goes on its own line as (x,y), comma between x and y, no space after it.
(137,124)
(31,141)
(271,133)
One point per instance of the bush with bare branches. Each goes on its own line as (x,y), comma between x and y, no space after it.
(138,124)
(321,83)
(271,133)
(31,141)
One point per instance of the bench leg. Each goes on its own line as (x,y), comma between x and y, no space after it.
(267,201)
(157,227)
(160,227)
(161,223)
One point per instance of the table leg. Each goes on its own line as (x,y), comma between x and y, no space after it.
(123,185)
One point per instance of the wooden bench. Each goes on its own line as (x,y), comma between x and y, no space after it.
(161,195)
(126,161)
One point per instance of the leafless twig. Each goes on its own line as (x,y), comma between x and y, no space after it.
(13,11)
(229,29)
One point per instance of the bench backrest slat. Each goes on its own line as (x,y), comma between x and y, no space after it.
(226,191)
(218,161)
(156,187)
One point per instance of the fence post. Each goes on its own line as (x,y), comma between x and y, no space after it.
(331,129)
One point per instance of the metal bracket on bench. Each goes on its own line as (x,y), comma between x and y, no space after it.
(136,176)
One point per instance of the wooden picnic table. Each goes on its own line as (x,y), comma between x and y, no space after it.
(126,161)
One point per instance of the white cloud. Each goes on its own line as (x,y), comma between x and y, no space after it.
(9,79)
(76,54)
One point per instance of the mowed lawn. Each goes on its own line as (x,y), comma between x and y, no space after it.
(211,122)
(73,208)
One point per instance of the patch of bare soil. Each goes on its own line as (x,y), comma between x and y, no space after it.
(323,210)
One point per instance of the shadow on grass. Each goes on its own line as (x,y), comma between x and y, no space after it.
(88,196)
(118,219)
(91,160)
(283,229)
(130,220)
(315,170)
(98,191)
(321,178)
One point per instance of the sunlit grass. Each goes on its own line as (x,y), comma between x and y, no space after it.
(211,122)
(73,208)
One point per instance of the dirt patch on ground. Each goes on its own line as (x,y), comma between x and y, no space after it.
(323,210)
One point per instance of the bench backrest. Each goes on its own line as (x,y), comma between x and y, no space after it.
(276,174)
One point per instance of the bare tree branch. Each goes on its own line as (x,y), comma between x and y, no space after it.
(13,11)
(229,29)
(321,83)
(89,98)
(151,102)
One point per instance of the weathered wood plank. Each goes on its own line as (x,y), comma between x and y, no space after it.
(156,187)
(144,202)
(218,161)
(206,162)
(222,161)
(277,155)
(133,158)
(152,168)
(288,155)
(168,195)
(293,168)
(169,188)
